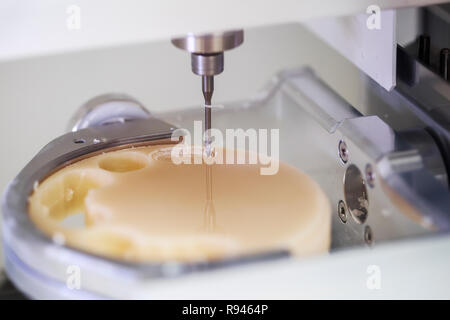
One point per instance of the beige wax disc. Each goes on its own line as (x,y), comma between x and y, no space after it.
(137,205)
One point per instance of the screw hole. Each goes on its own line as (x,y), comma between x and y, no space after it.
(343,151)
(79,141)
(370,175)
(368,236)
(342,211)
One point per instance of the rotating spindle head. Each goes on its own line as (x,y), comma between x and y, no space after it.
(207,55)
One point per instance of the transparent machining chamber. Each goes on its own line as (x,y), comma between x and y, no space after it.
(379,187)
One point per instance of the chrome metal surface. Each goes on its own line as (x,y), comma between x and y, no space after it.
(207,65)
(355,193)
(422,140)
(105,109)
(210,42)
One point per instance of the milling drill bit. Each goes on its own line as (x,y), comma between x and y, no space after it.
(207,88)
(207,61)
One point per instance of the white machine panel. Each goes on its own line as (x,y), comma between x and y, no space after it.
(41,27)
(367,40)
